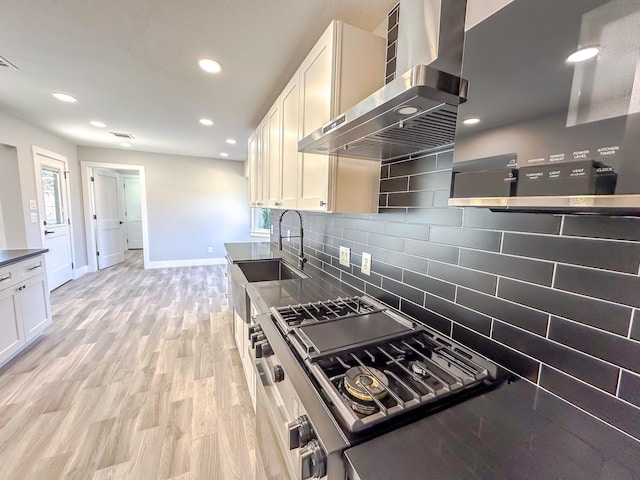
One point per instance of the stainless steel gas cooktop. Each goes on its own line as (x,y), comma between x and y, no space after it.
(371,364)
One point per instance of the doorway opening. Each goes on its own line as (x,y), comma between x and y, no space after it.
(116,212)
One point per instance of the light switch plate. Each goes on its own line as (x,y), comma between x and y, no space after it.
(345,256)
(33,205)
(366,263)
(34,217)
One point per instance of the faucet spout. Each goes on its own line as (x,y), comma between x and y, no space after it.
(301,258)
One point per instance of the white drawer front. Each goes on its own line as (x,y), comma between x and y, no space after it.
(8,276)
(30,268)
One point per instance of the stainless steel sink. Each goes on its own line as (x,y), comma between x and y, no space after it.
(267,270)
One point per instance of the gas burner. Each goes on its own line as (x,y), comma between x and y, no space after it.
(362,407)
(364,383)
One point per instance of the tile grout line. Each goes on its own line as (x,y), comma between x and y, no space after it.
(618,385)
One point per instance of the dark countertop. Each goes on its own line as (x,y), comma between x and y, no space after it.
(517,431)
(7,257)
(239,252)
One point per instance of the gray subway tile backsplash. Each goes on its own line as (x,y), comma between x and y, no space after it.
(567,286)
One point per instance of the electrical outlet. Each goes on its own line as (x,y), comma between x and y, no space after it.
(34,217)
(33,205)
(288,235)
(345,254)
(366,263)
(210,249)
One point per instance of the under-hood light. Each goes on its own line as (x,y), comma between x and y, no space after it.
(471,121)
(583,54)
(407,110)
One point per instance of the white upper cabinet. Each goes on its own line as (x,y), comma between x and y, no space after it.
(290,158)
(345,66)
(273,157)
(254,169)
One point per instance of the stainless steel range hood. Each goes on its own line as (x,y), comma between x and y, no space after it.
(417,110)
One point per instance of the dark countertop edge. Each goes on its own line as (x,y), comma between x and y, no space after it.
(9,257)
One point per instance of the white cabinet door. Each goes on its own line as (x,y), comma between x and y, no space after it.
(254,171)
(263,155)
(34,306)
(316,81)
(290,158)
(274,177)
(11,330)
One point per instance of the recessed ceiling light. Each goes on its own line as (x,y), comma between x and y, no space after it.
(206,121)
(97,124)
(230,141)
(224,154)
(125,144)
(63,97)
(209,65)
(471,121)
(583,54)
(407,110)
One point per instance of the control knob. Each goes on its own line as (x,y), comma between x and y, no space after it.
(255,338)
(278,373)
(263,349)
(300,432)
(254,329)
(312,461)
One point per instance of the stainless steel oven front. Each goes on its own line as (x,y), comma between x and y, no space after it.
(285,442)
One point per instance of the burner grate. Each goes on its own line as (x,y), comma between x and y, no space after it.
(413,370)
(322,311)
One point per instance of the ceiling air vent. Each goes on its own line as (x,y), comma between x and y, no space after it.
(122,135)
(6,63)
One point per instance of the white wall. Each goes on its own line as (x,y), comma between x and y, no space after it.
(192,202)
(12,220)
(22,136)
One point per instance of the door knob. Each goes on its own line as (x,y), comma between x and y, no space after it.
(47,232)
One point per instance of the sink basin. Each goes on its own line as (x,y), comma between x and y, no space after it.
(267,270)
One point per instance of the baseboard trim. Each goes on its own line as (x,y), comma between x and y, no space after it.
(80,271)
(194,262)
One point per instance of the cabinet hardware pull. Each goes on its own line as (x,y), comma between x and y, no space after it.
(322,203)
(5,278)
(48,232)
(34,267)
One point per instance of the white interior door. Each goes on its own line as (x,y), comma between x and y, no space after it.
(132,211)
(107,217)
(53,205)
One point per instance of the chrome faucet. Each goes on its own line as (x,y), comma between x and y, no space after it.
(301,258)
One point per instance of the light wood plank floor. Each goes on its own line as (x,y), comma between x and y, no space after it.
(137,378)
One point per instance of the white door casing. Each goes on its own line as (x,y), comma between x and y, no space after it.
(107,203)
(133,210)
(52,171)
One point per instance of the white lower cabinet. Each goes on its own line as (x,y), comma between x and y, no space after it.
(25,310)
(11,332)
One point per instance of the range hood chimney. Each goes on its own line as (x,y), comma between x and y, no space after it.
(416,111)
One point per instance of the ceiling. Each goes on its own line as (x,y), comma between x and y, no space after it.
(133,65)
